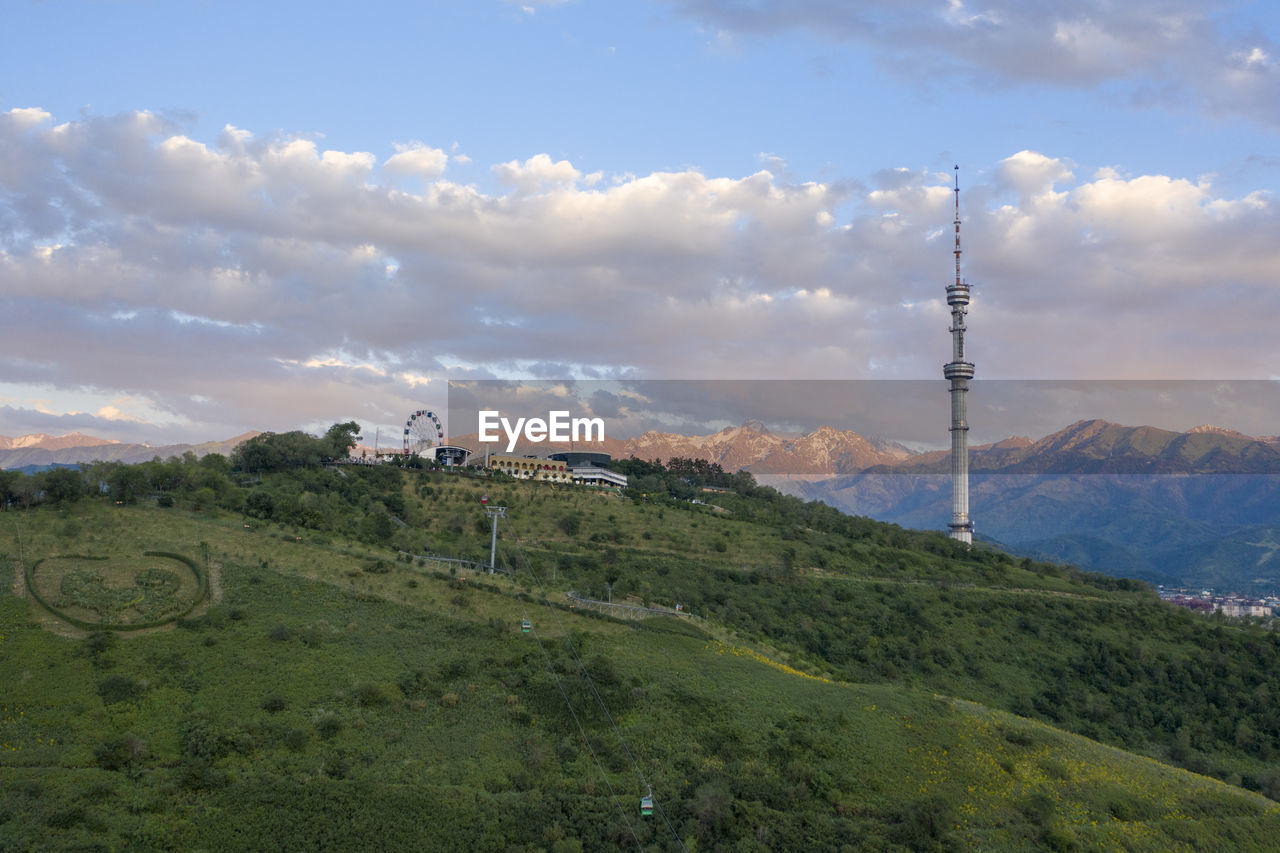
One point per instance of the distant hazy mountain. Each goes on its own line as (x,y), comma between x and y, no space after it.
(43,450)
(1101,447)
(43,441)
(825,452)
(1201,506)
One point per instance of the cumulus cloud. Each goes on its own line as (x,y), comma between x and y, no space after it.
(263,282)
(1196,54)
(536,172)
(416,159)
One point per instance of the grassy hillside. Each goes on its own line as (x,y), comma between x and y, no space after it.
(332,694)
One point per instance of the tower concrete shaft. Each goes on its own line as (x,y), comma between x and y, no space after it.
(959,371)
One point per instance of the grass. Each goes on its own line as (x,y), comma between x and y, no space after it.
(116,590)
(423,716)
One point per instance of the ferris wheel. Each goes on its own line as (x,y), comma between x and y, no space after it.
(422,432)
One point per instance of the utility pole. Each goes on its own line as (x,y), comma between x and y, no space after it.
(493,513)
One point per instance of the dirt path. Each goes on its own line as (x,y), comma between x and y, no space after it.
(215,583)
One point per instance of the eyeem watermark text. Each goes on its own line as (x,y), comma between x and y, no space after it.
(557,426)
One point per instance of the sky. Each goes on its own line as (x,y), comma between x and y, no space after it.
(224,216)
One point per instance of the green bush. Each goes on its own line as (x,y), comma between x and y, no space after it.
(119,688)
(370,695)
(328,726)
(198,738)
(122,752)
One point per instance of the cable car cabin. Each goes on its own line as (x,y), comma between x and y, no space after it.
(526,626)
(646,805)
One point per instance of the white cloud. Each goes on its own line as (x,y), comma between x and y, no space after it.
(254,279)
(1170,52)
(26,117)
(536,172)
(112,413)
(416,159)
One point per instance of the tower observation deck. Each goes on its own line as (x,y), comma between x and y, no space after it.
(959,371)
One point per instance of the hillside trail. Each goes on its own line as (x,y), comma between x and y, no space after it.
(215,582)
(19,579)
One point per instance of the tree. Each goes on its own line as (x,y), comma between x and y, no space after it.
(26,492)
(128,483)
(260,505)
(215,463)
(341,438)
(257,454)
(9,487)
(61,485)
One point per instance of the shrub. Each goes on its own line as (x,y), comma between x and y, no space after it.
(337,766)
(279,633)
(274,703)
(197,774)
(119,688)
(328,726)
(1038,808)
(370,695)
(412,681)
(924,824)
(65,818)
(199,739)
(121,752)
(99,642)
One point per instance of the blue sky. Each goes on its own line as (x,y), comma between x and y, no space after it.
(225,216)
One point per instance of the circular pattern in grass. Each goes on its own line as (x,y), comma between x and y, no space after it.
(119,593)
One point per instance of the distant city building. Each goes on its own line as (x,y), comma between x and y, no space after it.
(1239,609)
(1232,606)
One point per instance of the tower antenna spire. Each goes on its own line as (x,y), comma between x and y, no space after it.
(959,371)
(957,223)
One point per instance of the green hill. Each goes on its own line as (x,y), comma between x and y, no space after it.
(842,685)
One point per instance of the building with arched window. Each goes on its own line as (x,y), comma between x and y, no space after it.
(531,468)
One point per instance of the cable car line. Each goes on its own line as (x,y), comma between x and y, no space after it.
(648,802)
(587,740)
(526,626)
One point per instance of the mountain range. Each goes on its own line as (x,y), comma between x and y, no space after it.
(825,452)
(1200,507)
(40,450)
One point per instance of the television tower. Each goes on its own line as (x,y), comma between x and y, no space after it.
(959,372)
